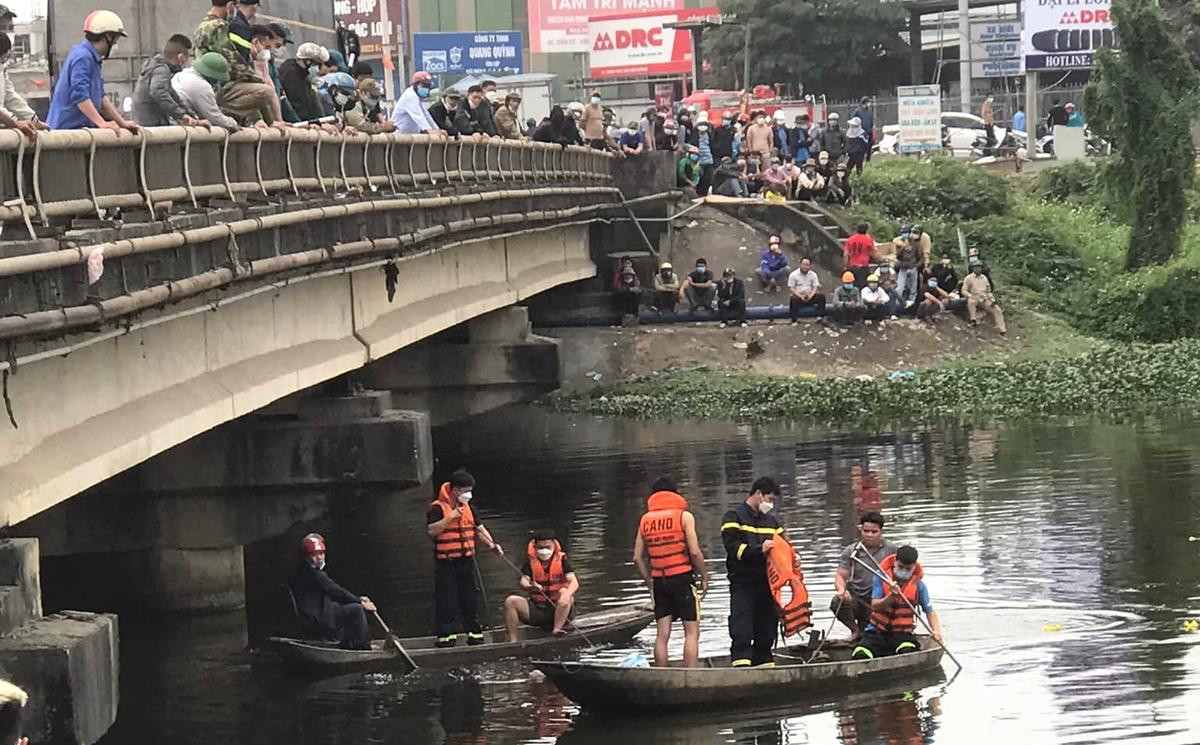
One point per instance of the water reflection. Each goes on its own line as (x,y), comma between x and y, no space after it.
(1057,557)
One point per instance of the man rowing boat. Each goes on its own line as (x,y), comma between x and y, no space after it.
(326,610)
(549,579)
(899,590)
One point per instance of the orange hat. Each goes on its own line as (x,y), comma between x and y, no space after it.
(848,277)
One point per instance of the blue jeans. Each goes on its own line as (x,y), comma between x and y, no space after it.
(906,283)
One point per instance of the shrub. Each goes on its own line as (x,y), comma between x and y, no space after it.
(910,190)
(1071,183)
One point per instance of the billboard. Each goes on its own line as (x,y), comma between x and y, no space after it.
(470,53)
(1060,36)
(637,44)
(362,17)
(995,48)
(920,111)
(562,25)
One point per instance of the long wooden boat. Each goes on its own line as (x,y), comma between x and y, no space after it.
(602,627)
(610,687)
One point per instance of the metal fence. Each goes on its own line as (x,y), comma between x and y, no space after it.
(91,171)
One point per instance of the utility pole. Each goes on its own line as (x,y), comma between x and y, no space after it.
(964,55)
(746,55)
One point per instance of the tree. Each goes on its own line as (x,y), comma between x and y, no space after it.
(1142,99)
(841,48)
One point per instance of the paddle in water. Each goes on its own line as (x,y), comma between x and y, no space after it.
(394,641)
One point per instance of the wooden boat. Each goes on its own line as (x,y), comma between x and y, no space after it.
(602,627)
(610,687)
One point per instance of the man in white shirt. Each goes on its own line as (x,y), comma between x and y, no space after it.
(805,290)
(196,86)
(410,116)
(876,299)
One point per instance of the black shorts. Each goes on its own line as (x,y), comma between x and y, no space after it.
(541,616)
(676,597)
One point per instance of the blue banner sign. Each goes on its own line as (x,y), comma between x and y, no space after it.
(472,53)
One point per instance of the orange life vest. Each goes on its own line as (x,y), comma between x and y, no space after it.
(662,531)
(783,571)
(552,578)
(458,539)
(898,616)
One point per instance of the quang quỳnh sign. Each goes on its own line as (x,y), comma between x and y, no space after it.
(471,53)
(920,113)
(1064,34)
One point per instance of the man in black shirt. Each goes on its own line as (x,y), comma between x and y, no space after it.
(699,288)
(731,299)
(327,610)
(443,111)
(747,532)
(475,118)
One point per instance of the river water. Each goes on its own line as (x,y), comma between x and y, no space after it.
(1058,557)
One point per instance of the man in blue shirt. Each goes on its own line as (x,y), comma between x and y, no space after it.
(1019,119)
(79,101)
(893,601)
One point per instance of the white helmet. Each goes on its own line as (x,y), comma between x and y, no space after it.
(575,106)
(103,22)
(702,117)
(312,52)
(780,116)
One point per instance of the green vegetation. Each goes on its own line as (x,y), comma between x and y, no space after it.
(1151,82)
(1111,381)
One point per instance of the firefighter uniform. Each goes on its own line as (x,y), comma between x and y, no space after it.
(753,616)
(455,590)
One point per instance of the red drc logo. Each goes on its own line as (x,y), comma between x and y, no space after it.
(1071,18)
(638,37)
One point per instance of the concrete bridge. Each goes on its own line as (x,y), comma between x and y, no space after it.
(156,287)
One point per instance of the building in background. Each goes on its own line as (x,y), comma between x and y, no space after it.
(27,64)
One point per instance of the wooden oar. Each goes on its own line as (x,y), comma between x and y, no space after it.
(395,642)
(549,600)
(888,581)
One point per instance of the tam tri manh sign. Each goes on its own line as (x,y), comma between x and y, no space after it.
(562,25)
(638,43)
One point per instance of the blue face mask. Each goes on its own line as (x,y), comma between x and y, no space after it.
(422,91)
(694,157)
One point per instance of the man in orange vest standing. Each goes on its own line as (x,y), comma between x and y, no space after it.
(453,528)
(550,580)
(747,531)
(893,601)
(667,533)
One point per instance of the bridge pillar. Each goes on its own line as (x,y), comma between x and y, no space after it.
(66,662)
(495,361)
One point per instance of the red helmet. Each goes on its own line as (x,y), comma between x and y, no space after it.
(420,76)
(313,543)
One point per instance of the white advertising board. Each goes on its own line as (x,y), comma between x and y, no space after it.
(920,110)
(1064,34)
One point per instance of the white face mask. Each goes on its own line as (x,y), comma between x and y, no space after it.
(595,99)
(765,506)
(492,95)
(545,553)
(264,55)
(465,497)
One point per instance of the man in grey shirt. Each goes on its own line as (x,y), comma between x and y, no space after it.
(852,598)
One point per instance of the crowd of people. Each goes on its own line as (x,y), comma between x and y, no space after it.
(877,281)
(879,587)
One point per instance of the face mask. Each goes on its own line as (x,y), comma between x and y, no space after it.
(848,285)
(372,102)
(422,91)
(465,497)
(873,285)
(340,98)
(902,574)
(492,95)
(933,285)
(264,55)
(726,122)
(694,157)
(765,506)
(703,130)
(701,268)
(595,99)
(761,120)
(545,553)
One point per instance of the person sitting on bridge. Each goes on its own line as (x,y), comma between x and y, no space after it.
(15,113)
(79,100)
(773,268)
(12,708)
(549,579)
(898,589)
(326,610)
(699,287)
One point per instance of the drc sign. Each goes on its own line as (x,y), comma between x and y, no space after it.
(468,53)
(637,44)
(1064,34)
(562,25)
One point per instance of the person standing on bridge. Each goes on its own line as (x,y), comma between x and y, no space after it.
(410,116)
(453,528)
(79,101)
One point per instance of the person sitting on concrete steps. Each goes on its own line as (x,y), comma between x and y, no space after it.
(699,288)
(773,268)
(325,609)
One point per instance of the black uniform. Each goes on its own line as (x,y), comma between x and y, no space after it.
(753,616)
(327,610)
(456,595)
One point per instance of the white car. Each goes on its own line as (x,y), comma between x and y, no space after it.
(964,130)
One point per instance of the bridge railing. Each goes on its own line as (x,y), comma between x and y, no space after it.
(88,172)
